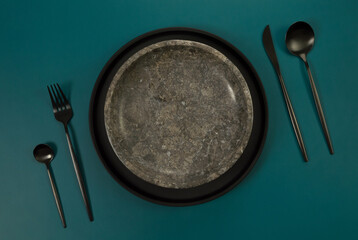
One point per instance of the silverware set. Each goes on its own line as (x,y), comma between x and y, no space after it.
(43,153)
(299,41)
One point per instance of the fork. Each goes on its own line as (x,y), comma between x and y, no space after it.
(63,113)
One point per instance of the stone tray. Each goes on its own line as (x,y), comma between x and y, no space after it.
(177,114)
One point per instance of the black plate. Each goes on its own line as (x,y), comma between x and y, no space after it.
(170,196)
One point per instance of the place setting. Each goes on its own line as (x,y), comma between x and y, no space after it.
(179,116)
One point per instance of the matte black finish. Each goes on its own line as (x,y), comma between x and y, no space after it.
(299,41)
(271,53)
(44,154)
(63,113)
(170,196)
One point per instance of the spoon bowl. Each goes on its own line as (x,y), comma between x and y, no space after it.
(300,39)
(43,153)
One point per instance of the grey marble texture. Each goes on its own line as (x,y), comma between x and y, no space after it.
(178,114)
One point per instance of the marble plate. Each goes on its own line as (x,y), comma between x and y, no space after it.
(178,113)
(178,116)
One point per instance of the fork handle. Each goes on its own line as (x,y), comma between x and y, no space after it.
(78,174)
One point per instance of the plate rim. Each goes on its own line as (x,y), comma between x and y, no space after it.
(189,30)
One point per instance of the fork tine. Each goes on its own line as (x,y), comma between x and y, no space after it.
(54,105)
(56,99)
(63,95)
(59,97)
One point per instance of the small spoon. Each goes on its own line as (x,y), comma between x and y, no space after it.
(299,41)
(44,154)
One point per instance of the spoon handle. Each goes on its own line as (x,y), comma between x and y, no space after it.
(319,108)
(55,194)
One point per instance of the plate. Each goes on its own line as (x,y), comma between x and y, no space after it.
(178,116)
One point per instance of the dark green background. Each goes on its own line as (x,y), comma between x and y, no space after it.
(68,42)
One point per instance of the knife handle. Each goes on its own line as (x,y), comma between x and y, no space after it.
(294,122)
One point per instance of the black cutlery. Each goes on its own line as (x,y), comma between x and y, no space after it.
(63,113)
(44,154)
(271,53)
(299,41)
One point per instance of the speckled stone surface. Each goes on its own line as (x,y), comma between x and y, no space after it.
(178,114)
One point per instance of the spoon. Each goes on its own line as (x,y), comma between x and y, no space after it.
(299,41)
(44,154)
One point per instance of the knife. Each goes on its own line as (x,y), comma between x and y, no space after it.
(271,53)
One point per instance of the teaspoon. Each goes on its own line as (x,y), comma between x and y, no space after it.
(44,154)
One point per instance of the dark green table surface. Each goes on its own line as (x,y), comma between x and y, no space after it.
(68,42)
